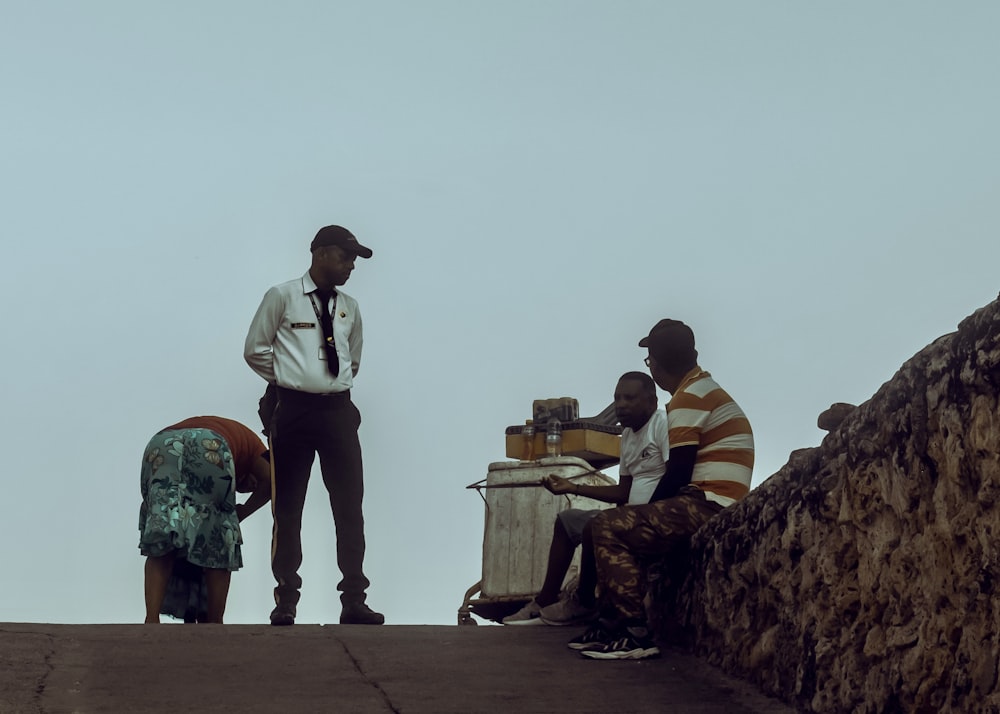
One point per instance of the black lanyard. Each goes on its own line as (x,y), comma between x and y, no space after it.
(316,306)
(325,318)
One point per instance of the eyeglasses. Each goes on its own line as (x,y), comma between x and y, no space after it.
(648,361)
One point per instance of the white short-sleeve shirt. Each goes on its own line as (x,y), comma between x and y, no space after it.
(644,454)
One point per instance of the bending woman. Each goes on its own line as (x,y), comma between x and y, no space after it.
(189,527)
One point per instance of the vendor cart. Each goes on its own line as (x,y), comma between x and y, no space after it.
(520,514)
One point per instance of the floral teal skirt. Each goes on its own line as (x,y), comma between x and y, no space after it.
(188,508)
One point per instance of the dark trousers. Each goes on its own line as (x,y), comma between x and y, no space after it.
(305,425)
(627,535)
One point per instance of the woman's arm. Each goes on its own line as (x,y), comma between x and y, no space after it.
(260,473)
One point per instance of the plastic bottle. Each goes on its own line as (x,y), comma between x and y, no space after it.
(553,437)
(528,434)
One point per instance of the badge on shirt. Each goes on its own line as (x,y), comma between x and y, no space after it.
(303,325)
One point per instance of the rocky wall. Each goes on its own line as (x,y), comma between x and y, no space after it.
(863,576)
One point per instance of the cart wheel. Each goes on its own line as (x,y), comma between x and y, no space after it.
(465,618)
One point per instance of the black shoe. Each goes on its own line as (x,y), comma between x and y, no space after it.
(357,613)
(628,643)
(596,637)
(283,615)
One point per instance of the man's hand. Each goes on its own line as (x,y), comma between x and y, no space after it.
(558,485)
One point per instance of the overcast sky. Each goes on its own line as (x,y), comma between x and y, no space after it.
(813,187)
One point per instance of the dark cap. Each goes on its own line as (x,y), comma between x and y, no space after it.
(338,235)
(671,343)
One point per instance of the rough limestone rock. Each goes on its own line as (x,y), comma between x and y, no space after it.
(832,417)
(864,575)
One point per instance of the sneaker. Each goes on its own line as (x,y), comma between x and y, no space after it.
(596,637)
(627,644)
(527,615)
(283,615)
(357,613)
(567,612)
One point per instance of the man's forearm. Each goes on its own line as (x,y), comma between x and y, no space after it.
(677,473)
(608,494)
(262,363)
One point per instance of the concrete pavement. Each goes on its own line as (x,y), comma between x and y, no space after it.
(402,669)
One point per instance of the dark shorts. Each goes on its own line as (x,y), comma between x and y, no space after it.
(574,520)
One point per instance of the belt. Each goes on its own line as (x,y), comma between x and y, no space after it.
(325,396)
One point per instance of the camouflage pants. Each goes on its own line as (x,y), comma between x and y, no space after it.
(627,536)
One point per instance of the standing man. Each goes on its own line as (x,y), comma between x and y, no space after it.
(711,460)
(306,341)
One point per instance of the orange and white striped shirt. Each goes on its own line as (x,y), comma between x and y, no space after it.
(702,414)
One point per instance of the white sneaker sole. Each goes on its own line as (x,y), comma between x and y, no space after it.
(582,647)
(532,621)
(625,654)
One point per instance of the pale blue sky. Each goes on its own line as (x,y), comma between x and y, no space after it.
(811,186)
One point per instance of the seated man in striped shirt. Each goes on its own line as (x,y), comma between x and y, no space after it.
(711,460)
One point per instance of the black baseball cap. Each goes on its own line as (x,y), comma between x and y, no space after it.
(338,235)
(670,342)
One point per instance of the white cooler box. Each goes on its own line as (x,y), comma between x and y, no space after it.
(520,514)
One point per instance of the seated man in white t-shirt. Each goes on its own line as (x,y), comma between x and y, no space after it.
(644,450)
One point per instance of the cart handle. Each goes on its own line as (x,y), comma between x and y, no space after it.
(523,484)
